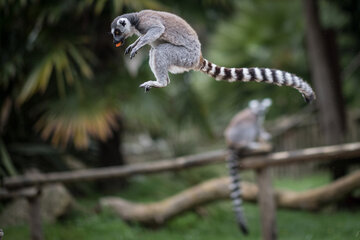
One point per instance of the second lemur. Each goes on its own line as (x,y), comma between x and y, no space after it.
(175,48)
(244,132)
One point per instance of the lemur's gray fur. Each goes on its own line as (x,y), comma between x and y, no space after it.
(244,131)
(175,48)
(246,128)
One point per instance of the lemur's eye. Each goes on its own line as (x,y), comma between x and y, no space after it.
(117,32)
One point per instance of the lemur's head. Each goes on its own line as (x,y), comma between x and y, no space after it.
(260,107)
(123,27)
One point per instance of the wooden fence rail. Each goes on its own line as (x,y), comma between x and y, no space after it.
(252,161)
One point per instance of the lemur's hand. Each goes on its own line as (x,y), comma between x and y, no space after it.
(132,49)
(133,53)
(128,49)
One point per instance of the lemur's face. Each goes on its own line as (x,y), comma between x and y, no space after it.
(120,30)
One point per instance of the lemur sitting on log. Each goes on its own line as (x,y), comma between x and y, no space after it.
(245,131)
(175,48)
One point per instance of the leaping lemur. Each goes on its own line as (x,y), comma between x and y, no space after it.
(244,131)
(175,48)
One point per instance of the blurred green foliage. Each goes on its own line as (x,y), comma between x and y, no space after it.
(62,80)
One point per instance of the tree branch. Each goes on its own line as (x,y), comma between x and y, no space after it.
(216,189)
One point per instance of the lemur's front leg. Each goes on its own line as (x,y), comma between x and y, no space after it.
(150,36)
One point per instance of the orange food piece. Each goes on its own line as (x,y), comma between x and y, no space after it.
(118,44)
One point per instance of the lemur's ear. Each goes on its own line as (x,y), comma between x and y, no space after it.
(254,104)
(266,102)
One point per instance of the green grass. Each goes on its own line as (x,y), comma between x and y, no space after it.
(217,223)
(305,183)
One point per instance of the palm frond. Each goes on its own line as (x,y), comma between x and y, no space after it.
(6,160)
(37,80)
(65,60)
(117,6)
(78,120)
(81,62)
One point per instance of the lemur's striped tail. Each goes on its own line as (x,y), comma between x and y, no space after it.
(266,75)
(235,191)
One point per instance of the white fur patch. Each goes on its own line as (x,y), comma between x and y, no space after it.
(288,78)
(233,75)
(269,76)
(212,71)
(246,75)
(175,69)
(258,76)
(237,202)
(280,78)
(297,81)
(222,73)
(127,27)
(205,65)
(232,186)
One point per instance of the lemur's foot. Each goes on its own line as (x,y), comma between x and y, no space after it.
(150,84)
(146,86)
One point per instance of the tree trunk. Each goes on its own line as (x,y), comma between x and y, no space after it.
(324,64)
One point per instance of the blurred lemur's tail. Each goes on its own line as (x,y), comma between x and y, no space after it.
(235,191)
(266,75)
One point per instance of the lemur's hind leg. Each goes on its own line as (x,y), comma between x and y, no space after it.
(168,57)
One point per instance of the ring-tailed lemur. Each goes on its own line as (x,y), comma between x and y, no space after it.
(175,48)
(244,131)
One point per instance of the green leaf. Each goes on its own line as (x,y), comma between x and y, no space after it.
(83,65)
(37,81)
(6,160)
(99,6)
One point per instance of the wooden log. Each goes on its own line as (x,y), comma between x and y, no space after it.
(349,150)
(116,172)
(159,212)
(216,189)
(327,153)
(266,200)
(25,192)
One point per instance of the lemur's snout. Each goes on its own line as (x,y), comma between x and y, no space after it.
(119,42)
